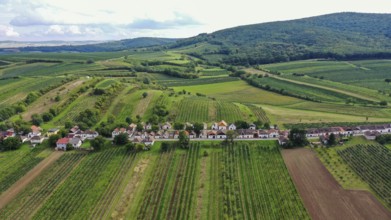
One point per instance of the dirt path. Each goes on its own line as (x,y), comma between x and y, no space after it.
(323,197)
(200,194)
(130,190)
(17,187)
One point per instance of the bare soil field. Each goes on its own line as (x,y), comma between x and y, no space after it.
(13,191)
(323,197)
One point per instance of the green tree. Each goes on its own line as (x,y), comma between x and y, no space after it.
(332,140)
(241,125)
(230,137)
(184,140)
(198,127)
(128,120)
(297,138)
(383,103)
(178,126)
(155,128)
(53,140)
(139,127)
(121,139)
(36,119)
(145,94)
(110,119)
(98,143)
(11,143)
(46,116)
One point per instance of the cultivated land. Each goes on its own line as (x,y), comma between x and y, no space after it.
(237,181)
(323,196)
(246,181)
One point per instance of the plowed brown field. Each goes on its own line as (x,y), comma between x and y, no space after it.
(323,197)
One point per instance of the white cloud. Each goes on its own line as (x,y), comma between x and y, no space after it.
(8,32)
(116,19)
(55,30)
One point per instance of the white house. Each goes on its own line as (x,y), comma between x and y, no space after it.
(252,127)
(211,135)
(371,135)
(263,134)
(222,125)
(75,142)
(166,126)
(245,133)
(90,134)
(232,127)
(148,141)
(215,126)
(148,126)
(221,135)
(132,127)
(273,133)
(36,140)
(282,140)
(35,131)
(61,144)
(117,131)
(192,135)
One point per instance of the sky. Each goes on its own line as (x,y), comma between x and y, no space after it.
(101,20)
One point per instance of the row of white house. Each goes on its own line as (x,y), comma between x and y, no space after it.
(353,130)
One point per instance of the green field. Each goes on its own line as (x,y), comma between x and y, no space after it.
(239,91)
(367,73)
(15,164)
(178,184)
(371,163)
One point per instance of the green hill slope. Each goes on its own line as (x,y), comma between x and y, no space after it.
(340,36)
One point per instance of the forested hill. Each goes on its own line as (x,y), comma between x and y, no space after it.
(103,47)
(341,36)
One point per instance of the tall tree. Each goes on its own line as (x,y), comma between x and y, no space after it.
(184,140)
(297,138)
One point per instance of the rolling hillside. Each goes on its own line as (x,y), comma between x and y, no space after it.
(339,36)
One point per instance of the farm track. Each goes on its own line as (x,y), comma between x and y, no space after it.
(17,187)
(323,197)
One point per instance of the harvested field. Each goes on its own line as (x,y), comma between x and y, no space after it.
(323,197)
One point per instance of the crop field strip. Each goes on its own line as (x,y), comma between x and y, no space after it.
(368,73)
(17,165)
(94,181)
(304,91)
(30,199)
(340,170)
(172,186)
(372,163)
(18,90)
(197,109)
(259,113)
(252,180)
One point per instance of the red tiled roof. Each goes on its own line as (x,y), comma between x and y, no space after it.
(63,141)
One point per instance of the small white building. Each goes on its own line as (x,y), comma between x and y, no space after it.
(222,125)
(221,134)
(36,140)
(232,127)
(166,126)
(61,144)
(252,127)
(75,142)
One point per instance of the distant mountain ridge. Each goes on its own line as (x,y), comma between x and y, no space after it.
(102,47)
